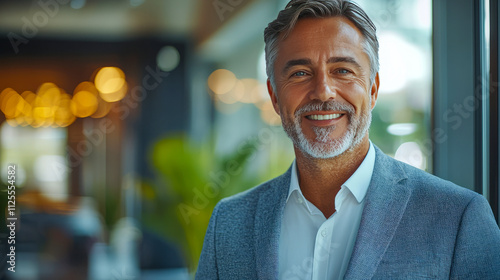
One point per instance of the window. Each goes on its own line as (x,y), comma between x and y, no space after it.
(401,119)
(40,158)
(465,111)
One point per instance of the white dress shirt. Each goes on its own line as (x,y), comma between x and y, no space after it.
(313,247)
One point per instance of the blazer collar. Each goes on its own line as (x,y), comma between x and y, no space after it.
(386,202)
(268,218)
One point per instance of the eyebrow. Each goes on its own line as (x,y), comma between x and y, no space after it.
(304,61)
(289,64)
(347,59)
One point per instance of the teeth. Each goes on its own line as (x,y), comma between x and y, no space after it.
(324,117)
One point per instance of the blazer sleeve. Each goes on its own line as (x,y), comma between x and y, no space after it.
(207,265)
(477,248)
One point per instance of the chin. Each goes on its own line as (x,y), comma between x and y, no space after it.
(323,142)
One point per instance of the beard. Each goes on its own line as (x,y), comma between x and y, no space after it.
(322,146)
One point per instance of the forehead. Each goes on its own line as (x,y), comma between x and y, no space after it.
(332,34)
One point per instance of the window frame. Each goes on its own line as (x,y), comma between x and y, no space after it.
(465,75)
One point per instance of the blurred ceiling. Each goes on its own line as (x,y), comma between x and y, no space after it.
(117,19)
(97,17)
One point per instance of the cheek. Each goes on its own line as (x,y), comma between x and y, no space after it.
(354,93)
(290,99)
(287,108)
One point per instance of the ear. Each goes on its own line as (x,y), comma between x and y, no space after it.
(274,98)
(374,90)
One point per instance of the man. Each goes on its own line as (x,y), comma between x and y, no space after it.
(344,210)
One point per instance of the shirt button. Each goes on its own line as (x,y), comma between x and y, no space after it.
(299,200)
(323,233)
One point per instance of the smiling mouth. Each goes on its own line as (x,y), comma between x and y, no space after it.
(324,117)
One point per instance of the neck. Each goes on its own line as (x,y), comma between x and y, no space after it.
(321,179)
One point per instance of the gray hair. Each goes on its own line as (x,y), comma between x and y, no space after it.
(281,27)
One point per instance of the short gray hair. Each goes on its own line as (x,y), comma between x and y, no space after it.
(281,27)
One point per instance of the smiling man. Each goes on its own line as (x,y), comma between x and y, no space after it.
(344,210)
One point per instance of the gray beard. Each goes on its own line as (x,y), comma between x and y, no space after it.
(322,146)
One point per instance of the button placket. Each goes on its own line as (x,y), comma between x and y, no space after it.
(322,251)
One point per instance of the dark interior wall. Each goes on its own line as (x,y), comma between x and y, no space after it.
(166,108)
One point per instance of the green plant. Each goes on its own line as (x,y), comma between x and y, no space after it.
(191,179)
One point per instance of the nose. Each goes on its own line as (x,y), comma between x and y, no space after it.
(324,88)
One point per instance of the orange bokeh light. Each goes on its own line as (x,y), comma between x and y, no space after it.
(83,104)
(221,81)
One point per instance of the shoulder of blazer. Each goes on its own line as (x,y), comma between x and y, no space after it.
(400,197)
(249,199)
(417,180)
(241,208)
(246,227)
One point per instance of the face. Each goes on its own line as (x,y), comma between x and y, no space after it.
(323,92)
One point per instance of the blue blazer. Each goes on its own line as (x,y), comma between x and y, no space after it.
(414,225)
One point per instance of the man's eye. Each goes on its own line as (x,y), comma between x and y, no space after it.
(299,74)
(343,71)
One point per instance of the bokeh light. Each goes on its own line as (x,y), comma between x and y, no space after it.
(230,93)
(260,95)
(52,106)
(77,4)
(402,129)
(103,108)
(221,81)
(27,113)
(42,117)
(168,58)
(411,153)
(46,104)
(109,79)
(234,95)
(63,116)
(111,84)
(86,86)
(11,103)
(84,102)
(115,96)
(252,91)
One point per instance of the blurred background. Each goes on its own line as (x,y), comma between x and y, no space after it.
(128,120)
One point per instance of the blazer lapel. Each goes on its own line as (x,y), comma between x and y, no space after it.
(268,225)
(386,201)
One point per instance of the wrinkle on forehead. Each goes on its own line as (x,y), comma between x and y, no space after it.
(322,38)
(339,27)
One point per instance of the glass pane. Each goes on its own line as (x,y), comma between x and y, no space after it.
(401,118)
(40,158)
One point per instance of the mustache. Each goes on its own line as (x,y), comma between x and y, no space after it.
(331,105)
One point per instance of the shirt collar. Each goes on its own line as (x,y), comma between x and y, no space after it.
(294,187)
(294,181)
(357,184)
(359,181)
